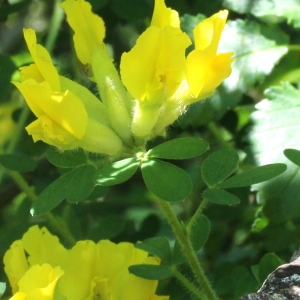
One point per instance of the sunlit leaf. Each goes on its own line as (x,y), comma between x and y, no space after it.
(117,172)
(276,127)
(182,148)
(272,11)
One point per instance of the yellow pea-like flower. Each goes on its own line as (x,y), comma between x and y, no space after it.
(205,69)
(40,268)
(68,115)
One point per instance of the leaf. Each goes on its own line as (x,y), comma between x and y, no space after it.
(151,272)
(220,197)
(182,148)
(117,172)
(107,228)
(2,288)
(81,183)
(157,175)
(293,155)
(74,185)
(276,126)
(178,256)
(52,195)
(267,265)
(253,176)
(200,232)
(7,69)
(252,44)
(272,11)
(158,246)
(66,159)
(218,166)
(18,162)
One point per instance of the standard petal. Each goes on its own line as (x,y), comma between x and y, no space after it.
(164,16)
(154,67)
(88,27)
(64,109)
(43,247)
(42,59)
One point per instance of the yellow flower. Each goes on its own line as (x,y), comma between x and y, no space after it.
(159,76)
(89,32)
(40,268)
(68,115)
(214,67)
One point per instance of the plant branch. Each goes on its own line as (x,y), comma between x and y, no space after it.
(187,249)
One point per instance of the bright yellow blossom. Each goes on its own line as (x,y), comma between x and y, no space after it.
(159,76)
(40,268)
(68,115)
(158,81)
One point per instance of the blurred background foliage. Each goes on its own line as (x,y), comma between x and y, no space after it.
(255,112)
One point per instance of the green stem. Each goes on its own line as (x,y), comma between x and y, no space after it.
(293,47)
(185,282)
(56,20)
(187,249)
(59,227)
(196,215)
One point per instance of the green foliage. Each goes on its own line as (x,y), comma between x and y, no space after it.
(273,11)
(218,166)
(249,196)
(151,272)
(218,196)
(268,263)
(18,162)
(275,128)
(200,232)
(157,174)
(74,186)
(2,288)
(158,246)
(117,172)
(66,159)
(182,148)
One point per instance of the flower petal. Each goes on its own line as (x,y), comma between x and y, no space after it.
(64,109)
(154,67)
(42,59)
(88,27)
(164,16)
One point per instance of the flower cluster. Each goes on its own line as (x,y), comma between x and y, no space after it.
(157,81)
(40,268)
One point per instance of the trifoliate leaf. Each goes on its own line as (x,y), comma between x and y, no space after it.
(182,148)
(276,126)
